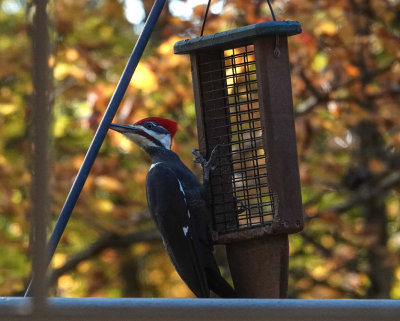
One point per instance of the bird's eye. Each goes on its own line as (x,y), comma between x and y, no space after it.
(149,125)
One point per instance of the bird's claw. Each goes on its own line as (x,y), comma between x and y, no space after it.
(242,207)
(199,159)
(208,166)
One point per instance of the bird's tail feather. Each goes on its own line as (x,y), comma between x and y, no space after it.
(219,285)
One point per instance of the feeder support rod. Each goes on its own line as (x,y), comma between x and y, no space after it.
(101,132)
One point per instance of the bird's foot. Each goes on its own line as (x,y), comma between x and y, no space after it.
(209,165)
(242,207)
(201,160)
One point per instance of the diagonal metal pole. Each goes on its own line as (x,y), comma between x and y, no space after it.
(101,133)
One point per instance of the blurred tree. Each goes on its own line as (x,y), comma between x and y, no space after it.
(345,79)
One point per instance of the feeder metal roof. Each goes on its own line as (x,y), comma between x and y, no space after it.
(238,37)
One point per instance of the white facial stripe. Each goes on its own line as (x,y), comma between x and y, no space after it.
(164,139)
(185,229)
(140,140)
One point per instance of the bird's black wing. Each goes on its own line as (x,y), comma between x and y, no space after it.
(167,203)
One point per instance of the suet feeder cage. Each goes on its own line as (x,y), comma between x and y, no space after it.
(243,101)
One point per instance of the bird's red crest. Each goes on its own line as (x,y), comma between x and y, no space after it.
(170,125)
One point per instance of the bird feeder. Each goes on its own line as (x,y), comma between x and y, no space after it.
(243,100)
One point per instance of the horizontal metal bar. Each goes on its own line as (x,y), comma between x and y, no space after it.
(235,85)
(234,95)
(240,54)
(224,65)
(237,105)
(203,309)
(244,171)
(230,57)
(238,132)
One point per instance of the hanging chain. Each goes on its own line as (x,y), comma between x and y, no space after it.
(272,10)
(205,18)
(277,52)
(208,7)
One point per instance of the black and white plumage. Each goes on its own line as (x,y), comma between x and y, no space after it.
(176,202)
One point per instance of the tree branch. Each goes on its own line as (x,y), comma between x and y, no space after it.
(107,240)
(368,191)
(317,97)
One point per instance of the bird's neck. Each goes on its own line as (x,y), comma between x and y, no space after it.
(161,154)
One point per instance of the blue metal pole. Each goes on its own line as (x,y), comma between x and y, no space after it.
(101,132)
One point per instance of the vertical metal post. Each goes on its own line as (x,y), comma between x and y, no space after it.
(40,124)
(101,132)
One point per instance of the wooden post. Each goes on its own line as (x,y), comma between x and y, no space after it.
(259,267)
(277,121)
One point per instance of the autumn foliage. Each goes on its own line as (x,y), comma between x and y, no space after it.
(346,91)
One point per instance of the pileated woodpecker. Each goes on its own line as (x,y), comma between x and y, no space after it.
(176,201)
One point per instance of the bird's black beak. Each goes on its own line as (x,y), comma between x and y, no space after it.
(123,128)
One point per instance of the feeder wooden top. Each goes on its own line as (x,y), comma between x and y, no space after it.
(238,37)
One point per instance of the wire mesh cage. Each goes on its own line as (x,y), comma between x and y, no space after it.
(243,104)
(241,195)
